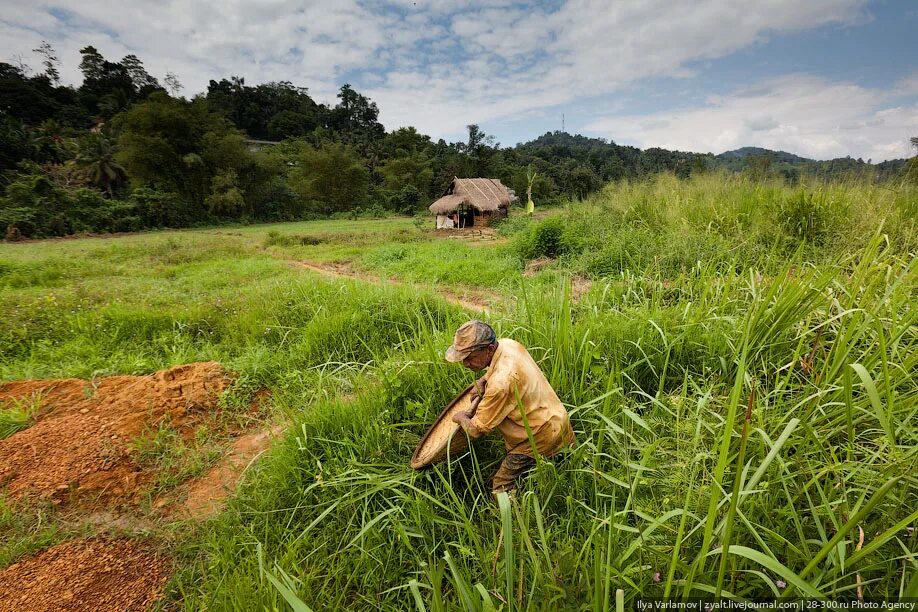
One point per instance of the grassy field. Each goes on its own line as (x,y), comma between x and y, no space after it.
(741,376)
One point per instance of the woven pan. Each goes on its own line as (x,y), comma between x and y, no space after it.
(444,437)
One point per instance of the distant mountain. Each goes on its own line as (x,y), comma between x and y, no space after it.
(790,165)
(559,153)
(780,156)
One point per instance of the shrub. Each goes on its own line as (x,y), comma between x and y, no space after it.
(93,213)
(552,237)
(12,233)
(406,200)
(34,204)
(275,201)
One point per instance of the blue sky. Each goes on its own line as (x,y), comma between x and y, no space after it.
(821,78)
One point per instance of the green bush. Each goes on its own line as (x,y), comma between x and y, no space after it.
(406,200)
(552,237)
(35,205)
(16,417)
(161,208)
(38,207)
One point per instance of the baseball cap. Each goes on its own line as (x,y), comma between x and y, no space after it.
(470,336)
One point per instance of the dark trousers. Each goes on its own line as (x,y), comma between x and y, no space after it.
(512,468)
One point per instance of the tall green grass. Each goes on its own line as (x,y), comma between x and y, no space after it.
(667,226)
(743,392)
(720,451)
(16,416)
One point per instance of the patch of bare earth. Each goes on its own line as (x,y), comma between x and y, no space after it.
(94,574)
(80,450)
(472,235)
(204,497)
(536,265)
(580,286)
(333,269)
(466,299)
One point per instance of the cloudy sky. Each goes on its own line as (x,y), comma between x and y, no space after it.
(821,78)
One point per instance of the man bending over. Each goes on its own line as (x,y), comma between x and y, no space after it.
(514,395)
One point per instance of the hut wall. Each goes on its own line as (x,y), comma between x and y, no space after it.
(488,217)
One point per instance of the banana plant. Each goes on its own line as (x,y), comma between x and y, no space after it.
(531,175)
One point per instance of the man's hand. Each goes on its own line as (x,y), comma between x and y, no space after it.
(462,417)
(478,389)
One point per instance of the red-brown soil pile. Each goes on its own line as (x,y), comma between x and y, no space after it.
(83,575)
(80,447)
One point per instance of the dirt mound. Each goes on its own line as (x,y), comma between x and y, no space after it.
(94,574)
(537,264)
(80,446)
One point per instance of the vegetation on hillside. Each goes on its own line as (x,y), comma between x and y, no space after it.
(123,152)
(759,162)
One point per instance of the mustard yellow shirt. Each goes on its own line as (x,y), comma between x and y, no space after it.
(515,380)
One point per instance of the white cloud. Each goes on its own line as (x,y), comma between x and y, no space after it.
(908,86)
(803,114)
(437,64)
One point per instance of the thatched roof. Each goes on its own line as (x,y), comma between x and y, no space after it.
(485,194)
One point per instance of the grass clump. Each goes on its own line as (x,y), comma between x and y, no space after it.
(275,238)
(17,415)
(173,459)
(25,530)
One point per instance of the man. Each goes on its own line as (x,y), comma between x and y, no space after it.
(512,397)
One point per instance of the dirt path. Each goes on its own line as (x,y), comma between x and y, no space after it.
(471,235)
(206,495)
(475,302)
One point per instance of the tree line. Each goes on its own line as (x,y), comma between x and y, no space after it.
(124,152)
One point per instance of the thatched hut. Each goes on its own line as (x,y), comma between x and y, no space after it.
(473,201)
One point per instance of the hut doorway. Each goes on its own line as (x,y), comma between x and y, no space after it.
(466,216)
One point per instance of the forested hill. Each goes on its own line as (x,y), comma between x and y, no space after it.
(757,159)
(606,159)
(779,156)
(123,151)
(613,161)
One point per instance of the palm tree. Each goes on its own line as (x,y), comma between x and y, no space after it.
(96,159)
